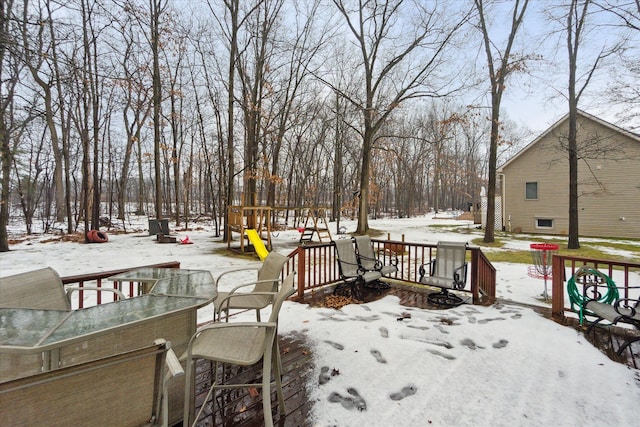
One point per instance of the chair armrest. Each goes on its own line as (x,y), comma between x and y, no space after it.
(423,271)
(227,300)
(236,270)
(591,292)
(220,325)
(174,368)
(377,264)
(231,296)
(460,284)
(71,289)
(360,269)
(244,285)
(627,307)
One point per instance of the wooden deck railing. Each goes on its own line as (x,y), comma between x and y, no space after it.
(317,266)
(564,267)
(95,279)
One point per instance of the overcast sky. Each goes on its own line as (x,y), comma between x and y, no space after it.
(537,99)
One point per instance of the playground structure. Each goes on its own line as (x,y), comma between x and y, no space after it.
(256,223)
(315,223)
(541,268)
(258,244)
(252,223)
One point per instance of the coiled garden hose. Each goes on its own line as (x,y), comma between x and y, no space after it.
(577,298)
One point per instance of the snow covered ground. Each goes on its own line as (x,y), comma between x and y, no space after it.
(503,365)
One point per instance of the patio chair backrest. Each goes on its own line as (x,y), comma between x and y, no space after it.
(286,290)
(39,289)
(121,390)
(270,270)
(365,250)
(347,259)
(450,256)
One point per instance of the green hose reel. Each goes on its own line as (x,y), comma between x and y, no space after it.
(590,276)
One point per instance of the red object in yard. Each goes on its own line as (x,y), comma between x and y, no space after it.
(301,229)
(544,246)
(97,236)
(541,268)
(186,241)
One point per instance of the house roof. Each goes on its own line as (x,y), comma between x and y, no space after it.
(563,119)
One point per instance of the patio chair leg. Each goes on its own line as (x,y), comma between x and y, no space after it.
(278,374)
(266,390)
(445,298)
(627,344)
(378,285)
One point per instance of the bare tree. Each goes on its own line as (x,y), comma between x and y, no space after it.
(36,64)
(135,111)
(499,70)
(624,90)
(417,54)
(156,9)
(300,52)
(231,30)
(576,26)
(10,70)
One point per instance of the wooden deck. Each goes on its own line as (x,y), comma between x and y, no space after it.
(242,409)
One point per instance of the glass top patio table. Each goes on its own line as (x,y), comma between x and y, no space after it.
(39,330)
(173,281)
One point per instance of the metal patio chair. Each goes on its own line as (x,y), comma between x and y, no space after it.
(370,262)
(243,344)
(260,296)
(128,389)
(353,275)
(448,270)
(41,289)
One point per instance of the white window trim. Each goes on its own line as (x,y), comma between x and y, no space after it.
(525,190)
(541,227)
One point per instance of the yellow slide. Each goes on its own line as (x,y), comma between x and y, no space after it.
(257,243)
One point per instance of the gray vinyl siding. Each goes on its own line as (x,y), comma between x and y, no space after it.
(609,186)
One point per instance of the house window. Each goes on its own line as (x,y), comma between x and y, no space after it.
(531,191)
(544,223)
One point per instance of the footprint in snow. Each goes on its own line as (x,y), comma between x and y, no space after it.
(422,328)
(384,332)
(349,402)
(409,390)
(500,344)
(324,375)
(335,345)
(438,353)
(468,342)
(378,356)
(483,321)
(441,329)
(440,343)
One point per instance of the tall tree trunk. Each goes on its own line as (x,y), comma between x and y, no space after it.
(497,77)
(6,157)
(574,32)
(233,6)
(156,11)
(33,64)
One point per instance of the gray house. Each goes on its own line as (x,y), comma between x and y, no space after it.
(535,182)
